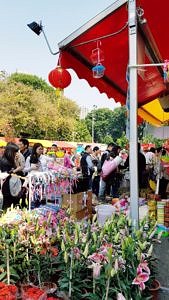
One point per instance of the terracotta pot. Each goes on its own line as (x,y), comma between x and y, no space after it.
(49,287)
(29,290)
(115,200)
(154,289)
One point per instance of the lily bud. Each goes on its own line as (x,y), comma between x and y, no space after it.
(62,246)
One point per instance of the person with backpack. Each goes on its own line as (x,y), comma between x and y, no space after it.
(87,167)
(102,185)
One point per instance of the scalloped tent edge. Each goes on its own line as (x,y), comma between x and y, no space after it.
(110,28)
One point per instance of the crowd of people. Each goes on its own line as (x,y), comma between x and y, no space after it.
(102,172)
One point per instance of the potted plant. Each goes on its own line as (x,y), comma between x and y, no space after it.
(104,260)
(8,292)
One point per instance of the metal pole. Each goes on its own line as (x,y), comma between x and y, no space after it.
(146,65)
(49,47)
(93,119)
(133,154)
(92,126)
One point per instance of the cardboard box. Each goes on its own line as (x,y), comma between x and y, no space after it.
(76,201)
(80,207)
(85,213)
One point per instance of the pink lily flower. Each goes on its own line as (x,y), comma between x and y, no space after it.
(96,257)
(120,296)
(76,252)
(96,269)
(144,266)
(104,248)
(141,278)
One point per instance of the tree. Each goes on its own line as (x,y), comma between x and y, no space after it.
(35,113)
(81,133)
(108,125)
(118,122)
(102,117)
(123,141)
(31,80)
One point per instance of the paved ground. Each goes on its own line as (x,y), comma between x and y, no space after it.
(161,251)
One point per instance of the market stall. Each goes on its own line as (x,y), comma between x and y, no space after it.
(131,39)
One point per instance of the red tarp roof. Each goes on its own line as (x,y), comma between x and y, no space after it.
(110,27)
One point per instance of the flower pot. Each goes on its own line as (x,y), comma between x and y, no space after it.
(31,292)
(49,287)
(115,200)
(155,286)
(8,292)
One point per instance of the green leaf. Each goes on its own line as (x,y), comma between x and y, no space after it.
(3,275)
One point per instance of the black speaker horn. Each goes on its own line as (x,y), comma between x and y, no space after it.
(35,27)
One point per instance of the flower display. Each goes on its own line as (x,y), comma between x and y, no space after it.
(110,261)
(141,278)
(8,292)
(33,293)
(86,260)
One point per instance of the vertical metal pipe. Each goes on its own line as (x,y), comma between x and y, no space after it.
(92,126)
(133,154)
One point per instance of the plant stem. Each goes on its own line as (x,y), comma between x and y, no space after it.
(14,251)
(70,275)
(94,286)
(118,279)
(107,288)
(7,264)
(27,258)
(39,279)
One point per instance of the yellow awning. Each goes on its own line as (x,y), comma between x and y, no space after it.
(45,143)
(153,113)
(2,143)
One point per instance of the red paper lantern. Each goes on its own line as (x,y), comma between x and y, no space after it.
(59,78)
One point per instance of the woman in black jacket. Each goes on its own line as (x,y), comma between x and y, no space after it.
(7,164)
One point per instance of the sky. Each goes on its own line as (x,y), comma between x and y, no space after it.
(22,50)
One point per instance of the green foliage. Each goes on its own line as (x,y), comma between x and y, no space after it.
(149,138)
(31,80)
(108,125)
(33,109)
(122,141)
(115,248)
(107,139)
(141,129)
(81,132)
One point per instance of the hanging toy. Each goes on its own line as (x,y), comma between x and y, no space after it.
(166,71)
(98,71)
(97,57)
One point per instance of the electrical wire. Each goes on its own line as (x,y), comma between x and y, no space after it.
(101,37)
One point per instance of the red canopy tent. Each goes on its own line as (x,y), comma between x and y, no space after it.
(133,32)
(110,28)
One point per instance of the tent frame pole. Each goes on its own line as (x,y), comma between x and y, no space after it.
(133,152)
(146,65)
